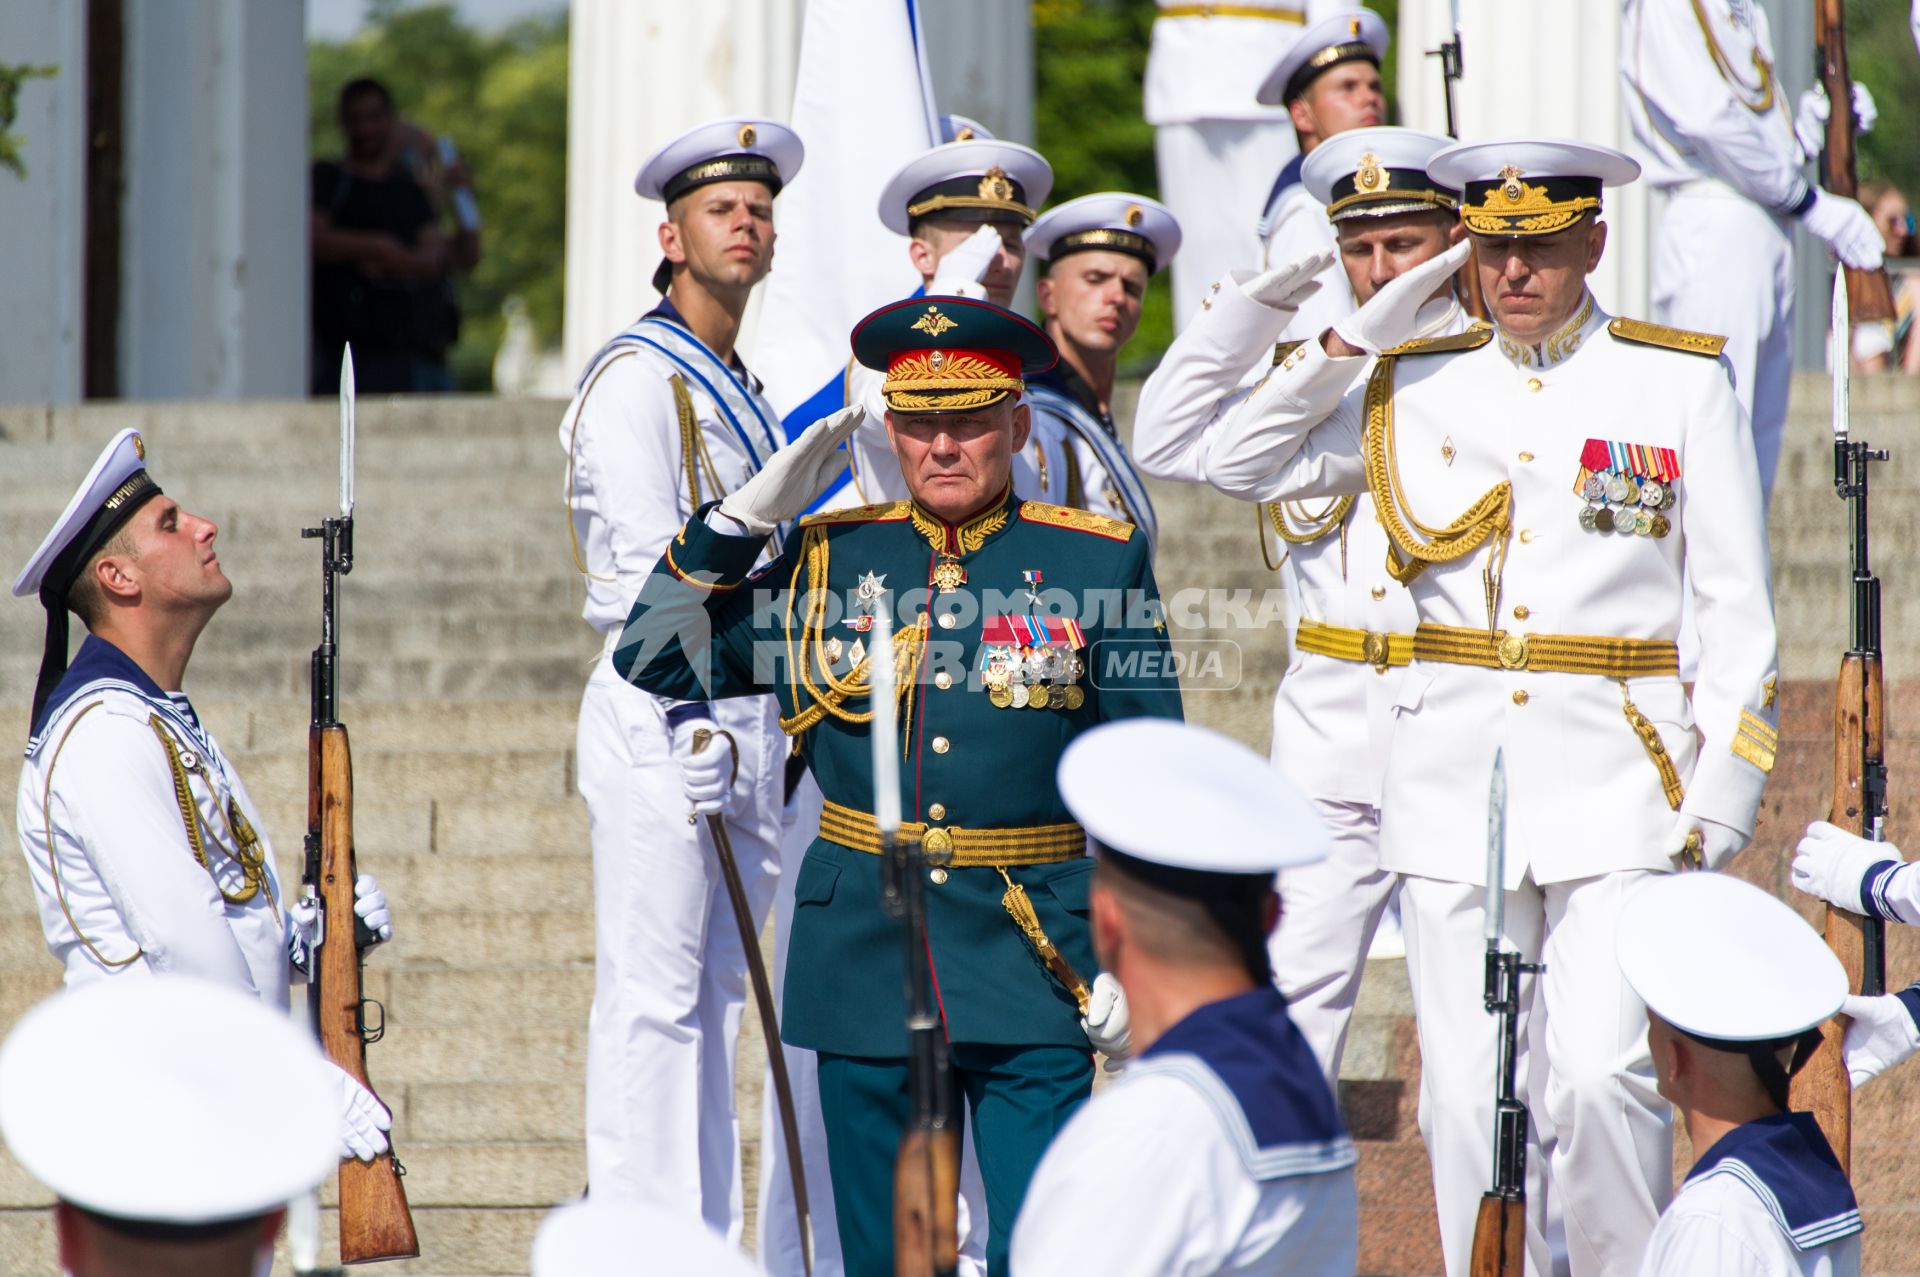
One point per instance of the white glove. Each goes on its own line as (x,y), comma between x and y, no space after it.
(1106,1023)
(1716,845)
(1847,228)
(1882,1035)
(1284,287)
(364,1121)
(1390,315)
(1815,109)
(306,928)
(794,476)
(707,773)
(1831,863)
(370,906)
(961,270)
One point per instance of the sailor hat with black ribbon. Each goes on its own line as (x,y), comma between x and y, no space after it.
(978,180)
(113,491)
(604,1239)
(736,149)
(951,354)
(1347,35)
(1377,172)
(1113,221)
(1522,186)
(172,1101)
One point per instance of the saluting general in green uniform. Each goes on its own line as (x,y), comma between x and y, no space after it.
(1017,626)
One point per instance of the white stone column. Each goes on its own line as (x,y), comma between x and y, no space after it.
(981,56)
(213,281)
(1535,68)
(42,325)
(640,72)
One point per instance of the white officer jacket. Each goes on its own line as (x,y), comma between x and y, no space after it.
(1208,66)
(115,879)
(1703,100)
(1584,796)
(1295,227)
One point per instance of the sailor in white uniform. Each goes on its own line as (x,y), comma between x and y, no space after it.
(146,855)
(595,1238)
(1220,1149)
(1097,254)
(1331,711)
(1736,987)
(173,1118)
(1329,82)
(1712,131)
(1216,147)
(667,418)
(1549,570)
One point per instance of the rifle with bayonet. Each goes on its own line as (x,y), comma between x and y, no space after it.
(926,1173)
(375,1222)
(1859,760)
(1871,293)
(1500,1230)
(1452,68)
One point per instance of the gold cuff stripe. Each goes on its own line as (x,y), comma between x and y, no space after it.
(1233,11)
(1758,728)
(969,848)
(1546,653)
(1758,755)
(714,587)
(1756,741)
(1346,643)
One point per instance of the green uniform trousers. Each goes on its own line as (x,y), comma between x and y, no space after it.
(1017,1099)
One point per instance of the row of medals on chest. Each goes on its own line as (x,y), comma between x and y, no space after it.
(1632,507)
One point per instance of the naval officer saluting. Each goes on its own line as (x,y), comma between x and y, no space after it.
(1020,626)
(1220,1149)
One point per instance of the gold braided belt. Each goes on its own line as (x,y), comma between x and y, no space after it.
(1232,11)
(1546,653)
(1345,643)
(960,848)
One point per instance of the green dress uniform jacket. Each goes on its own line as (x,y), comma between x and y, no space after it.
(973,763)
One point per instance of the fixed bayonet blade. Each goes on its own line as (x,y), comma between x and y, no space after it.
(1497,848)
(346,432)
(885,727)
(1840,352)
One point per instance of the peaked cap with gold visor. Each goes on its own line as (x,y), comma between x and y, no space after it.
(951,354)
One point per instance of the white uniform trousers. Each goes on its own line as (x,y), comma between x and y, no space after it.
(1329,912)
(1215,175)
(669,968)
(1584,1070)
(1722,264)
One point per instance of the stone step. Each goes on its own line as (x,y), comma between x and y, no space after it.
(441,419)
(284,678)
(307,466)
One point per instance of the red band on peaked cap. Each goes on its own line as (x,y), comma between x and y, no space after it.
(1004,362)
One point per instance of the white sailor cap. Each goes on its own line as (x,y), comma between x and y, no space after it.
(737,149)
(1723,960)
(114,489)
(979,180)
(963,128)
(1346,35)
(607,1239)
(1112,220)
(1521,186)
(1187,798)
(1377,172)
(170,1101)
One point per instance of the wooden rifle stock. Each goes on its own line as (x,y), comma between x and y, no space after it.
(375,1221)
(926,1193)
(1867,290)
(1499,1237)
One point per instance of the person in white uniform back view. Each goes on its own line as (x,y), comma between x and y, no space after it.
(1736,987)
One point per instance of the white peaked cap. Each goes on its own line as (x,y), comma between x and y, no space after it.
(1722,959)
(1187,797)
(168,1100)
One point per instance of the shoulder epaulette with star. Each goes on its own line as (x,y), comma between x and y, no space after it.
(1474,337)
(1646,334)
(884,512)
(1060,516)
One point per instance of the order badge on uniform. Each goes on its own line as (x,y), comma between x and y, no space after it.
(1626,488)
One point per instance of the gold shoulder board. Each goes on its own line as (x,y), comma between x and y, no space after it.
(1646,334)
(1476,336)
(885,512)
(1281,349)
(1060,516)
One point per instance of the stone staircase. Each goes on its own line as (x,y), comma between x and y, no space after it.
(463,663)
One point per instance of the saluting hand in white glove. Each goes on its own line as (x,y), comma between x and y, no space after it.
(961,271)
(1882,1035)
(1390,316)
(1847,228)
(794,476)
(364,1121)
(1284,287)
(1107,1024)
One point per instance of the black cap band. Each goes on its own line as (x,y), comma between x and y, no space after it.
(1110,238)
(744,167)
(1513,204)
(1326,60)
(988,197)
(1373,188)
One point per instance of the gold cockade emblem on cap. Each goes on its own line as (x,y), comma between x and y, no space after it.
(139,447)
(1135,214)
(963,134)
(995,186)
(933,323)
(1510,187)
(747,135)
(1370,176)
(937,359)
(1353,26)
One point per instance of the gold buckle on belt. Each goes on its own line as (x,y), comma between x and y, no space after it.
(1373,647)
(1513,651)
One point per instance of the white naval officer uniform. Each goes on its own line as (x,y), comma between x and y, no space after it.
(1219,1150)
(1215,146)
(1590,812)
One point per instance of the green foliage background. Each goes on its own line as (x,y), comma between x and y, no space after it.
(1880,54)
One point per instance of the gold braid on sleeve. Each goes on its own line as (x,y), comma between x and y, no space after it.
(909,647)
(1411,549)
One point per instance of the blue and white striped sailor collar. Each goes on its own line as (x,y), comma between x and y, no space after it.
(100,665)
(1786,1162)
